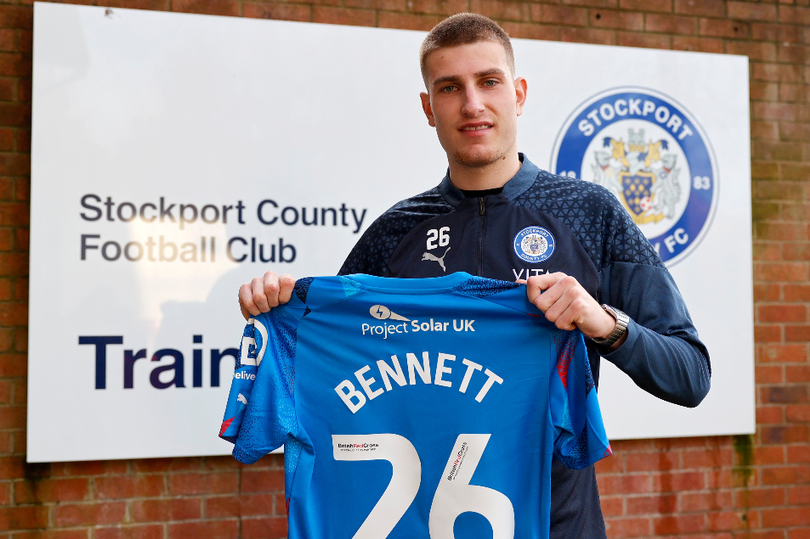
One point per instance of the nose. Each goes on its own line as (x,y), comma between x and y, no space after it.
(472,103)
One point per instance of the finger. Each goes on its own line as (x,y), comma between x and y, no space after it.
(261,297)
(246,304)
(286,284)
(269,289)
(546,290)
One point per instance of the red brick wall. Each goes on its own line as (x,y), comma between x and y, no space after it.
(723,487)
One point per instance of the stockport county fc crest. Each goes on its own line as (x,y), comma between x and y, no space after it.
(653,156)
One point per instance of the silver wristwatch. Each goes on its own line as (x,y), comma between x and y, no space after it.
(621,326)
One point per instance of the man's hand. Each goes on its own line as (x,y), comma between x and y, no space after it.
(567,305)
(263,293)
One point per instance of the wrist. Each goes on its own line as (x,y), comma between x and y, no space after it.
(619,330)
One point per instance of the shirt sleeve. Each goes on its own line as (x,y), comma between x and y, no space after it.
(580,434)
(260,414)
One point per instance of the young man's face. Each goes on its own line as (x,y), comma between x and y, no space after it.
(473,102)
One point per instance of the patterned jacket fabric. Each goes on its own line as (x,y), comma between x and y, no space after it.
(585,233)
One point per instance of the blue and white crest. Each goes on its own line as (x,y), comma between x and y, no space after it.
(534,244)
(650,152)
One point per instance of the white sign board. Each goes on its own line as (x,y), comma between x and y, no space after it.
(176,156)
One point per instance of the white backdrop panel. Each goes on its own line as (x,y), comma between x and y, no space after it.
(310,124)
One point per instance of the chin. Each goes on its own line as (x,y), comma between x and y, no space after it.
(477,159)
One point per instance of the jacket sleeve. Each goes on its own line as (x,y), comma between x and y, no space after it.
(662,353)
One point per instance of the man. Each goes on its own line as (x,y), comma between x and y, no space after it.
(496,214)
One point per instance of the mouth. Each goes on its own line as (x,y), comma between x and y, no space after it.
(471,128)
(475,127)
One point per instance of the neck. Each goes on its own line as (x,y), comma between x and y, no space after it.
(489,176)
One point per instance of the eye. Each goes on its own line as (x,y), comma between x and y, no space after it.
(447,89)
(491,82)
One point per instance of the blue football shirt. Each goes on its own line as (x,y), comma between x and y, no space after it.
(414,407)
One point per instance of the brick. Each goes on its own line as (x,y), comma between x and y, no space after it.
(799,413)
(790,353)
(620,528)
(795,172)
(751,11)
(768,455)
(588,35)
(407,21)
(767,251)
(784,271)
(678,524)
(788,475)
(778,150)
(783,394)
(82,514)
(782,313)
(763,334)
(637,39)
(697,44)
(388,5)
(796,212)
(562,15)
(162,509)
(264,528)
(761,497)
(767,292)
(153,531)
(776,32)
(646,5)
(652,505)
(208,7)
(617,20)
(114,487)
(333,15)
(764,130)
(592,3)
(285,12)
(724,28)
(625,484)
(797,333)
(531,31)
(775,111)
(669,24)
(51,490)
(244,505)
(438,7)
(785,517)
(262,481)
(709,8)
(210,529)
(794,15)
(764,171)
(769,415)
(678,482)
(797,374)
(612,506)
(614,464)
(799,495)
(23,518)
(17,17)
(797,251)
(764,91)
(648,462)
(727,520)
(776,72)
(202,483)
(52,534)
(501,10)
(704,501)
(166,465)
(780,231)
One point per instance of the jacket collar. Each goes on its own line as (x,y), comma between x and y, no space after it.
(515,187)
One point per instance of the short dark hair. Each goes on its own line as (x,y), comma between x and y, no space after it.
(463,29)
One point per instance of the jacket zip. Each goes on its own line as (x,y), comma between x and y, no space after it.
(481,212)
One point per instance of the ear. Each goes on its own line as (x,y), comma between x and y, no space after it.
(426,108)
(520,94)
